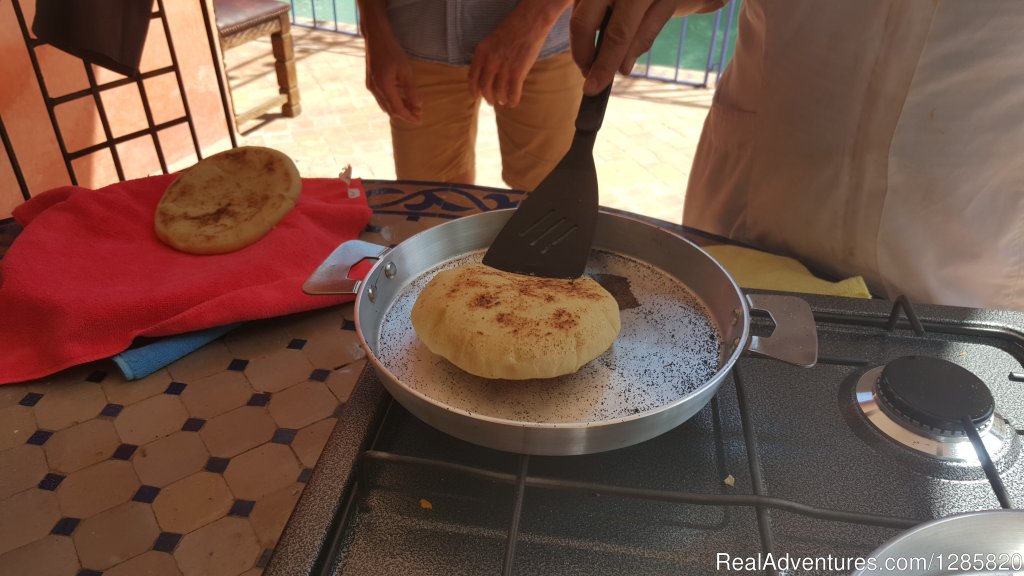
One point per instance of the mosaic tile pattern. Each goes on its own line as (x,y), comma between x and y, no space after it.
(195,469)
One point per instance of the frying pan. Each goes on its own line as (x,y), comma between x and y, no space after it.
(685,323)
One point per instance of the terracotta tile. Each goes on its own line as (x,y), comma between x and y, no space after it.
(334,351)
(150,419)
(26,517)
(227,547)
(271,513)
(278,370)
(11,394)
(116,535)
(302,404)
(97,488)
(81,445)
(216,394)
(209,359)
(62,379)
(170,459)
(17,423)
(124,392)
(21,467)
(192,502)
(261,471)
(343,380)
(310,441)
(309,325)
(151,563)
(65,406)
(243,428)
(50,556)
(257,339)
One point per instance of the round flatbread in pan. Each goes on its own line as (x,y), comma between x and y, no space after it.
(497,324)
(668,347)
(227,201)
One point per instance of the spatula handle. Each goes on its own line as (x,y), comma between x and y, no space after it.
(591,113)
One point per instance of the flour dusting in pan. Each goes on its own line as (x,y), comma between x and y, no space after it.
(667,348)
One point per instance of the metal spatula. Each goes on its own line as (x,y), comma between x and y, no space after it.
(551,231)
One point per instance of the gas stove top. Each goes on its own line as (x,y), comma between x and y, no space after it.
(823,462)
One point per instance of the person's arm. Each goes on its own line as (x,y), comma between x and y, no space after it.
(503,59)
(388,74)
(631,31)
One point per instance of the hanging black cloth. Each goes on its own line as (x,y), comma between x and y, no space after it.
(108,33)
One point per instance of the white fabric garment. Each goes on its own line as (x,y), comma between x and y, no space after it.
(882,138)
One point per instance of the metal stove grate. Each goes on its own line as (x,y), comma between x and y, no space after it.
(355,478)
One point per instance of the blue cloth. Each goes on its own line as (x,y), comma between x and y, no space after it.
(140,362)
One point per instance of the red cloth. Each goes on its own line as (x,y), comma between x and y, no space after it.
(88,274)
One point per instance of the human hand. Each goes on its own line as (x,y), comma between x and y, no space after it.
(502,60)
(389,78)
(632,28)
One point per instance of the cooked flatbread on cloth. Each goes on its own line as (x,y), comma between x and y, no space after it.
(501,325)
(227,201)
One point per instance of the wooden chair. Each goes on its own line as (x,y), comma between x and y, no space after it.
(240,21)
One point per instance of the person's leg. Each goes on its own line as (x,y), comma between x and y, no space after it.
(536,134)
(441,147)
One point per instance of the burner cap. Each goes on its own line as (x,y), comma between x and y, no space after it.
(935,393)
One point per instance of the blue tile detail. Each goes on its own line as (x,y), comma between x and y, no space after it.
(111,410)
(31,399)
(265,558)
(260,399)
(242,508)
(297,344)
(320,375)
(372,229)
(218,465)
(305,475)
(166,542)
(124,452)
(283,436)
(146,494)
(413,218)
(39,437)
(51,481)
(238,365)
(175,388)
(348,325)
(88,572)
(96,376)
(65,526)
(193,424)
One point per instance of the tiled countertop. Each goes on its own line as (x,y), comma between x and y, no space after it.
(196,468)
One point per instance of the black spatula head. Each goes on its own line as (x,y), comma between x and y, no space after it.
(552,230)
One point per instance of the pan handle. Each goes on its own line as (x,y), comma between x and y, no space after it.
(795,339)
(331,277)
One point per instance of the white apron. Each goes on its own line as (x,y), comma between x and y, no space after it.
(882,138)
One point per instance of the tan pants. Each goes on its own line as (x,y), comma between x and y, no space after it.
(533,136)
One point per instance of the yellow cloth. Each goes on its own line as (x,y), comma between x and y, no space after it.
(755,269)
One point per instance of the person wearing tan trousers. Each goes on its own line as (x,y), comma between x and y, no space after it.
(429,63)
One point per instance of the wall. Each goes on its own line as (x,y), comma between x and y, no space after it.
(30,129)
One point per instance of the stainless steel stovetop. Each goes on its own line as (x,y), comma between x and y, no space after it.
(810,475)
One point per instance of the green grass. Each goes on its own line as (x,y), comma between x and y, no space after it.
(695,50)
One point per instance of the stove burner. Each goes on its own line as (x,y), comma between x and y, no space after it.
(934,394)
(920,402)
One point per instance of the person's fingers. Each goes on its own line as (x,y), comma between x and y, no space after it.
(393,97)
(586,19)
(617,39)
(514,90)
(488,76)
(647,31)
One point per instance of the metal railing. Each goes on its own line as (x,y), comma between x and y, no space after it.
(692,50)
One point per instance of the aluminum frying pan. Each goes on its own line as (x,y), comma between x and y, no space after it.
(685,322)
